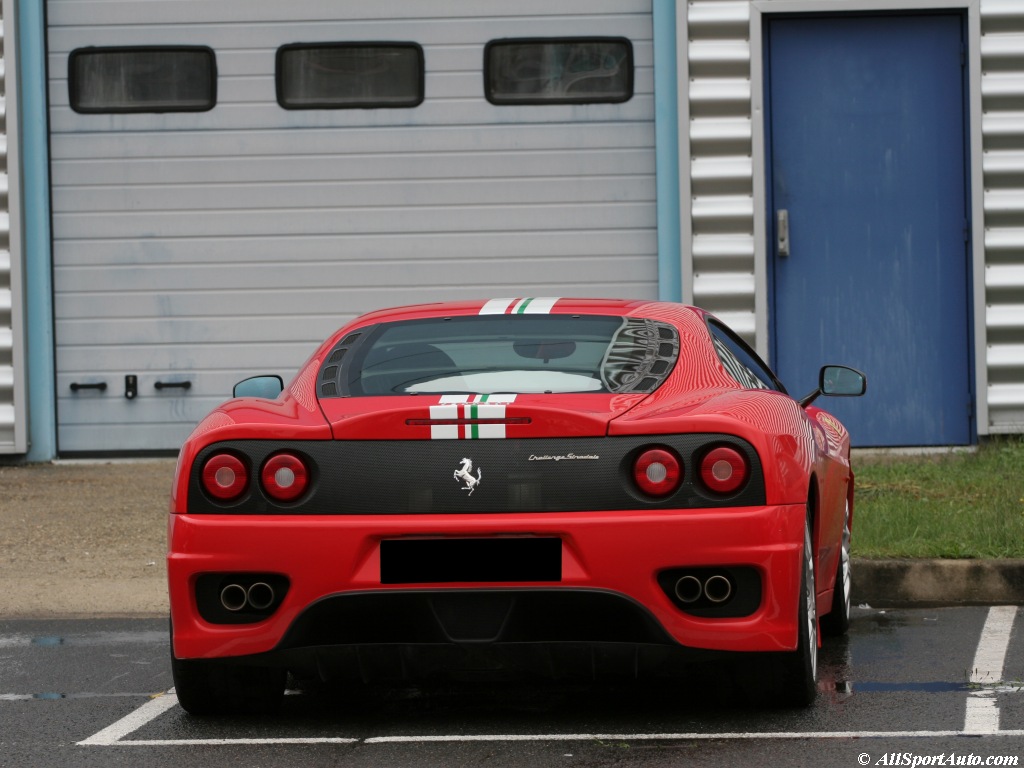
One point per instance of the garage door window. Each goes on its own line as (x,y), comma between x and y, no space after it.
(349,75)
(558,71)
(150,79)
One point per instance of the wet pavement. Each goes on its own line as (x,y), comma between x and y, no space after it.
(920,682)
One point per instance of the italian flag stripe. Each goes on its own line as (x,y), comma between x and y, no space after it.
(469,407)
(496,306)
(521,306)
(542,306)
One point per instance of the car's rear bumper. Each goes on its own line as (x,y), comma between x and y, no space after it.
(609,590)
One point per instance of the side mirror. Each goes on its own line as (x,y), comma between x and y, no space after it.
(268,387)
(840,381)
(837,381)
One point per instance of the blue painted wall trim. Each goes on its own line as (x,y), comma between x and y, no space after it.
(666,137)
(42,400)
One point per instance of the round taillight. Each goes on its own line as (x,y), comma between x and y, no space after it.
(225,477)
(285,477)
(724,470)
(657,472)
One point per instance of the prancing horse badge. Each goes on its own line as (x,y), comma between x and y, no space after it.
(464,474)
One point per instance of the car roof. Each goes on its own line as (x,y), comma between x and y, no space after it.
(540,305)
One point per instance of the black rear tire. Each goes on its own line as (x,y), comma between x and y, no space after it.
(836,622)
(790,679)
(210,687)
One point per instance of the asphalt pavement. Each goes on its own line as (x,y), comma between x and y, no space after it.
(87,538)
(939,684)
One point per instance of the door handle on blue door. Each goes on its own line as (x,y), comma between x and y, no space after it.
(782,232)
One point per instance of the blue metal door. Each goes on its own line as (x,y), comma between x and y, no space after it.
(867,170)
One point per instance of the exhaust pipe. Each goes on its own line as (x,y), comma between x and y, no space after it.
(688,589)
(717,589)
(261,596)
(245,597)
(233,597)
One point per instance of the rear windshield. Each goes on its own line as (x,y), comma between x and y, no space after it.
(490,354)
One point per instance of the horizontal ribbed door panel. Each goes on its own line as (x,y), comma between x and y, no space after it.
(207,247)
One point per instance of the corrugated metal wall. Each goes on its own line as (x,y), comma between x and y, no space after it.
(1002,93)
(721,169)
(13,429)
(206,247)
(717,99)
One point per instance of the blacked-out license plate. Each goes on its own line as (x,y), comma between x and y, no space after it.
(428,561)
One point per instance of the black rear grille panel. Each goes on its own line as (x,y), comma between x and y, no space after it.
(399,477)
(476,616)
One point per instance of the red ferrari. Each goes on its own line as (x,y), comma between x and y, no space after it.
(509,486)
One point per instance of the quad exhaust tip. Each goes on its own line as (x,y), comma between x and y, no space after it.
(233,597)
(258,597)
(689,589)
(239,598)
(715,589)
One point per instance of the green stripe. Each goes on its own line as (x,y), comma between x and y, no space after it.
(523,306)
(474,429)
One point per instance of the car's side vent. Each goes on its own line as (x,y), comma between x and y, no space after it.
(330,373)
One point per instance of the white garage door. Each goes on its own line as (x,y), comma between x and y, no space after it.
(197,248)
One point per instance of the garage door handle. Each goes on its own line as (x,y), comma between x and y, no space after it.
(173,385)
(782,232)
(99,385)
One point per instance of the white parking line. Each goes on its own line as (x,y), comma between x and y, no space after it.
(735,736)
(225,742)
(982,716)
(131,722)
(552,737)
(115,735)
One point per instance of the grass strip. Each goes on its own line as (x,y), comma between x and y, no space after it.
(949,505)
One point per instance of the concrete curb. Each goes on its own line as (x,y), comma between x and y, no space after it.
(905,583)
